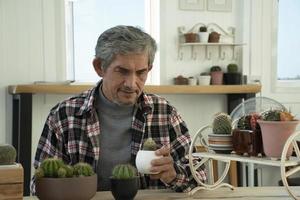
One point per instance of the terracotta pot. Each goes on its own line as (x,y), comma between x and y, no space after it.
(124,189)
(214,37)
(190,37)
(247,142)
(274,136)
(77,188)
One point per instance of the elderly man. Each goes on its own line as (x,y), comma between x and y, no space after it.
(106,125)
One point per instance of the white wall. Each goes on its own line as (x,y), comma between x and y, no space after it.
(32,48)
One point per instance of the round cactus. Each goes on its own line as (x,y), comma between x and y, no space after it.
(62,172)
(7,154)
(149,145)
(124,171)
(203,29)
(232,68)
(39,173)
(83,169)
(271,115)
(50,167)
(222,124)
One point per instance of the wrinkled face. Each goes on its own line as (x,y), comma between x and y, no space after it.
(124,79)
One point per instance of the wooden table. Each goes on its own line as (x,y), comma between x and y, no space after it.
(245,193)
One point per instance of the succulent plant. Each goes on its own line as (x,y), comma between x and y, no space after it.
(83,169)
(248,122)
(232,68)
(222,124)
(203,29)
(124,171)
(39,173)
(215,68)
(276,115)
(7,154)
(149,145)
(50,166)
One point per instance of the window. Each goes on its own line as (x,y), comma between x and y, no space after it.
(87,19)
(288,42)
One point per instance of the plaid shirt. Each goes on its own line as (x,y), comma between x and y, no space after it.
(72,129)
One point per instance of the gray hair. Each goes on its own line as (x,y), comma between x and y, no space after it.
(124,40)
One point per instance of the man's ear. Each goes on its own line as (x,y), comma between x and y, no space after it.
(97,66)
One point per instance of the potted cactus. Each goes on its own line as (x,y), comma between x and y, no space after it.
(124,182)
(246,136)
(232,77)
(216,75)
(57,180)
(145,156)
(203,34)
(7,154)
(221,138)
(276,127)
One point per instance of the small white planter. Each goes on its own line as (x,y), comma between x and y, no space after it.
(204,79)
(143,161)
(203,37)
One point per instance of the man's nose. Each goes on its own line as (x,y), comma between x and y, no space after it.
(130,81)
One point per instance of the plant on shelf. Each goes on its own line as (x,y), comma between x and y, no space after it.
(124,182)
(7,154)
(203,34)
(54,178)
(221,139)
(214,37)
(216,75)
(190,37)
(232,77)
(276,126)
(247,138)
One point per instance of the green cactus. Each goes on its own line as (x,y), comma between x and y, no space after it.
(124,171)
(215,69)
(271,115)
(222,124)
(39,173)
(232,68)
(83,169)
(149,145)
(50,167)
(203,29)
(244,123)
(62,172)
(7,154)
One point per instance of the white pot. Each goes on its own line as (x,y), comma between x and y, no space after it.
(203,37)
(143,161)
(192,81)
(204,79)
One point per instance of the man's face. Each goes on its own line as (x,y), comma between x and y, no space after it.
(124,79)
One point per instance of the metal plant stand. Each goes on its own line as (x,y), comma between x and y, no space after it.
(288,166)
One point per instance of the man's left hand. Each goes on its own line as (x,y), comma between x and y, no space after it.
(163,166)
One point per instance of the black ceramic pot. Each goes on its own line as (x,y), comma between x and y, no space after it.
(232,78)
(124,189)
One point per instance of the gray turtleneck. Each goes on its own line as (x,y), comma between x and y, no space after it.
(115,137)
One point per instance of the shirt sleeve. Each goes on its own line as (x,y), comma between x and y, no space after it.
(180,141)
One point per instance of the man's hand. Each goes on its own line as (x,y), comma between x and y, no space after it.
(163,166)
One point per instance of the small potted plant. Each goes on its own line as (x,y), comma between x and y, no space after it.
(276,127)
(216,75)
(232,77)
(190,37)
(246,136)
(59,181)
(124,182)
(221,139)
(214,37)
(203,34)
(145,156)
(204,78)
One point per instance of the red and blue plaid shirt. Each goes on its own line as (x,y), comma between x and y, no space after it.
(72,130)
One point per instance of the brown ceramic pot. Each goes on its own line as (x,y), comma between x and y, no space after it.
(247,142)
(214,37)
(77,188)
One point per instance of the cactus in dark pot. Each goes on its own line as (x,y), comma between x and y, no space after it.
(7,154)
(124,171)
(149,145)
(232,68)
(83,169)
(222,124)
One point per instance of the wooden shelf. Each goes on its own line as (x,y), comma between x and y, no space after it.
(157,89)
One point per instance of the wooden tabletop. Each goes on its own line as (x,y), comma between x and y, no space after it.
(157,89)
(245,193)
